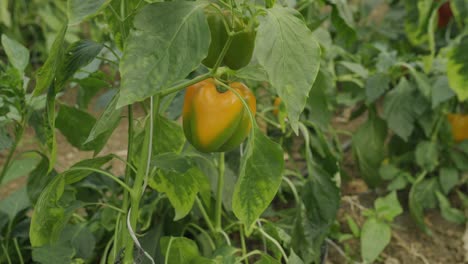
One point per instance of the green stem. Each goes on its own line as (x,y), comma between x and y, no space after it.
(276,243)
(18,137)
(18,250)
(166,258)
(6,254)
(141,177)
(243,246)
(219,196)
(205,215)
(123,235)
(247,256)
(184,85)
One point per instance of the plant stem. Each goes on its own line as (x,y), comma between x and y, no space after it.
(219,196)
(205,215)
(183,85)
(18,250)
(141,178)
(6,254)
(243,246)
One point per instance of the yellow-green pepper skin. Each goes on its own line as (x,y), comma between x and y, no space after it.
(215,121)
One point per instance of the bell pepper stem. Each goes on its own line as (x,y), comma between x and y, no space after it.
(219,196)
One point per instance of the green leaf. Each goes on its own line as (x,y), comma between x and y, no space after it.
(21,167)
(17,54)
(79,10)
(402,107)
(107,122)
(353,226)
(181,250)
(356,68)
(294,259)
(48,218)
(156,54)
(67,120)
(80,238)
(78,55)
(46,74)
(388,207)
(15,203)
(317,100)
(448,212)
(448,178)
(260,177)
(368,148)
(427,155)
(417,19)
(169,136)
(180,179)
(376,85)
(53,254)
(39,178)
(441,91)
(389,171)
(375,236)
(266,259)
(422,195)
(288,52)
(460,11)
(457,68)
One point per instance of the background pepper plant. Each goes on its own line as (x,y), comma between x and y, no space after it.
(234,113)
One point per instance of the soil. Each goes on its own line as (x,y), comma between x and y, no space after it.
(408,245)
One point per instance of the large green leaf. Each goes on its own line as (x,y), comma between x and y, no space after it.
(15,203)
(457,69)
(441,91)
(260,177)
(48,218)
(448,178)
(169,41)
(180,179)
(375,236)
(53,254)
(17,54)
(51,213)
(39,178)
(288,52)
(369,148)
(78,10)
(67,120)
(402,106)
(317,101)
(168,137)
(106,123)
(179,250)
(422,195)
(427,155)
(46,74)
(376,85)
(78,55)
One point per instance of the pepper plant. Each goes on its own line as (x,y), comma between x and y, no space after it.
(158,50)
